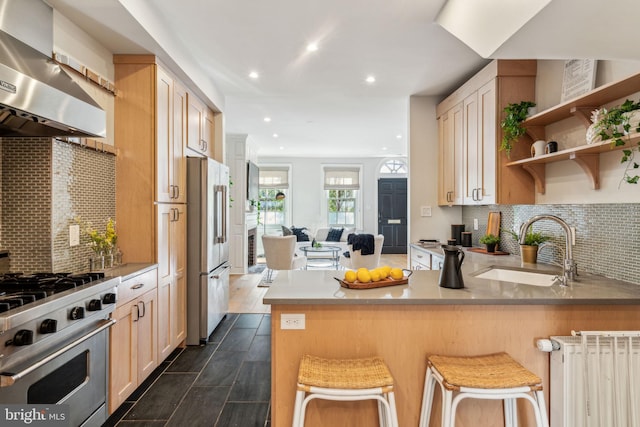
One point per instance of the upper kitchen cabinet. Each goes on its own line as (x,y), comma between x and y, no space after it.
(469,143)
(200,135)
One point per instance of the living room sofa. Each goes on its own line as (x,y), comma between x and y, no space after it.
(321,235)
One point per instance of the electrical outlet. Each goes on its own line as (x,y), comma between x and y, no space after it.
(74,235)
(475,223)
(292,321)
(425,211)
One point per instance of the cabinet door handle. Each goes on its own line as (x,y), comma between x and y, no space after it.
(479,194)
(137,286)
(137,313)
(177,191)
(144,308)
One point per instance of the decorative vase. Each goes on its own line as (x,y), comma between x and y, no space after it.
(97,262)
(491,247)
(529,253)
(593,134)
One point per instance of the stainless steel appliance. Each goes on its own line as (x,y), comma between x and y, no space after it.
(56,344)
(208,248)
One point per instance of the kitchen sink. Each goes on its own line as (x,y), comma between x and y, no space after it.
(516,275)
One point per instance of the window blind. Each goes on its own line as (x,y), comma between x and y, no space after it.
(274,177)
(341,178)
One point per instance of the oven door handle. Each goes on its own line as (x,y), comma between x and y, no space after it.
(7,380)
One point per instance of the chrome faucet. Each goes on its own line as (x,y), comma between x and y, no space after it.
(569,268)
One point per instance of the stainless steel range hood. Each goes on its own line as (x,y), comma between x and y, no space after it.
(38,98)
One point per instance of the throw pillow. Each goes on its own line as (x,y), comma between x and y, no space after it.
(346,232)
(286,231)
(302,235)
(334,235)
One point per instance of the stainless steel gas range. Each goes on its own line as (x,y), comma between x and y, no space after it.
(54,342)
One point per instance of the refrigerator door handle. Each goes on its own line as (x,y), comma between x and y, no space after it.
(221,214)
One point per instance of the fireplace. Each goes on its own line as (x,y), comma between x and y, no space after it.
(252,249)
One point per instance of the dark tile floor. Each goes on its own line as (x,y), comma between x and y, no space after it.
(222,384)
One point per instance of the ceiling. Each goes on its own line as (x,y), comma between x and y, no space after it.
(319,103)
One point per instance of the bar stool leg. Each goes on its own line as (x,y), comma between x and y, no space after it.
(297,409)
(510,413)
(539,395)
(449,415)
(427,398)
(393,411)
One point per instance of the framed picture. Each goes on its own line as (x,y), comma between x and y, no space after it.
(579,78)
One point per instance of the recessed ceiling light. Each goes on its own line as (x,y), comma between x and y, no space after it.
(275,135)
(370,79)
(384,148)
(254,75)
(281,147)
(312,47)
(399,136)
(267,119)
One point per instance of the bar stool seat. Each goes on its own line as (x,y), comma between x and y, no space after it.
(494,376)
(345,380)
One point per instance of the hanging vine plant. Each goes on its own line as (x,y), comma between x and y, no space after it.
(617,124)
(511,124)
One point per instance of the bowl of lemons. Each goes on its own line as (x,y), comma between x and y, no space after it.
(364,278)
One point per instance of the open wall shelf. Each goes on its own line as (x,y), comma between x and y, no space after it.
(586,156)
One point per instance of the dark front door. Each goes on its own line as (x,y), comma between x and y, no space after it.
(392,214)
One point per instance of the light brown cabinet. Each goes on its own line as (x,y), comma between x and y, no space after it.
(171,278)
(133,338)
(472,169)
(200,135)
(151,133)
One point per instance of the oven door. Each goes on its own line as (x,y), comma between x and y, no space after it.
(75,375)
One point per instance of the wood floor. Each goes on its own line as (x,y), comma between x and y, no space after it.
(246,297)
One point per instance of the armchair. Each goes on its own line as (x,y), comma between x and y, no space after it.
(279,252)
(356,260)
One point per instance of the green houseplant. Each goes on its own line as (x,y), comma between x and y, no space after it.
(511,124)
(490,241)
(617,124)
(532,241)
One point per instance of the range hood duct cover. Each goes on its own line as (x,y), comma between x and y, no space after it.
(38,98)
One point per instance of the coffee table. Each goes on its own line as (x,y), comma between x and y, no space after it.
(322,253)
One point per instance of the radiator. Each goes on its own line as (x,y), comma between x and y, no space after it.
(595,379)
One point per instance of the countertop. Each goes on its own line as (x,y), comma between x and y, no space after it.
(320,287)
(127,271)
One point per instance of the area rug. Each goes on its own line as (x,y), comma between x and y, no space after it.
(257,268)
(263,281)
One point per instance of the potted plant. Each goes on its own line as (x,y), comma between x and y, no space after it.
(490,241)
(511,124)
(532,241)
(617,124)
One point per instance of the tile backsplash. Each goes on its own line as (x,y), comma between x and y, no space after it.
(607,235)
(46,184)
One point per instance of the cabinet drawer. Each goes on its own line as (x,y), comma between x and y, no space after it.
(136,286)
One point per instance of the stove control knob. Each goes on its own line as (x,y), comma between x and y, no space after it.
(76,313)
(109,298)
(95,305)
(48,326)
(23,337)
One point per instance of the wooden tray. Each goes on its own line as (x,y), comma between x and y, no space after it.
(484,251)
(379,284)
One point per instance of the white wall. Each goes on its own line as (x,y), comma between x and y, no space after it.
(306,192)
(565,181)
(423,174)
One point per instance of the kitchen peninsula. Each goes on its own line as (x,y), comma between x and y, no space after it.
(403,324)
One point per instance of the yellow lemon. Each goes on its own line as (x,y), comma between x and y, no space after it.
(350,276)
(363,275)
(385,269)
(396,274)
(375,275)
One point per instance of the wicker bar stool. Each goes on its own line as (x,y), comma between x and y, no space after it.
(494,376)
(345,380)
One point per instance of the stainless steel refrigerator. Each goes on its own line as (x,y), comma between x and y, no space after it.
(207,247)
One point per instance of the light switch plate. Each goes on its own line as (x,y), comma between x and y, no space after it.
(292,321)
(74,235)
(475,223)
(425,211)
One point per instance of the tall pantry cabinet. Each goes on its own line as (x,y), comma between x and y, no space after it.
(151,132)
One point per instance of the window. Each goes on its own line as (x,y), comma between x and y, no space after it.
(274,186)
(394,167)
(342,185)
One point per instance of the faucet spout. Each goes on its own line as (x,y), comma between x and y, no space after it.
(569,268)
